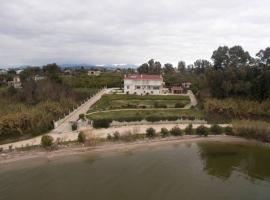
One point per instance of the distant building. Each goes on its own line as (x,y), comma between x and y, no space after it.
(16,83)
(39,78)
(93,73)
(187,85)
(177,90)
(3,72)
(19,71)
(143,84)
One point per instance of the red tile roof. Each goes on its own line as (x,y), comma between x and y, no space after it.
(143,77)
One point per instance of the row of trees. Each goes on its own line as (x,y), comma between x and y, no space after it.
(233,73)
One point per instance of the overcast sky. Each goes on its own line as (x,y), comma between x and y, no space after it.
(37,32)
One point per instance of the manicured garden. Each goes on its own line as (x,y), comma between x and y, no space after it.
(119,101)
(103,119)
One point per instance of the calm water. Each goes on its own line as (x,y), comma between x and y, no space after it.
(203,171)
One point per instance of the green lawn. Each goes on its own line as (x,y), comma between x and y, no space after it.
(118,101)
(162,113)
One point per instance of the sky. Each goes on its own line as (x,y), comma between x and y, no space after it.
(37,32)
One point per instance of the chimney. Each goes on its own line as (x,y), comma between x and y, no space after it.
(141,75)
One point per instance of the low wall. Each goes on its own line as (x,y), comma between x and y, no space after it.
(144,122)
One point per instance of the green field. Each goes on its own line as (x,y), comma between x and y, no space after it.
(118,101)
(143,114)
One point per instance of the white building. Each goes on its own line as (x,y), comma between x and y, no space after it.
(94,73)
(142,84)
(16,83)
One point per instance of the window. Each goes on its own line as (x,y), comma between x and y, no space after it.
(127,86)
(156,87)
(138,87)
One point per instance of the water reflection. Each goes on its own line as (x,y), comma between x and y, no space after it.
(223,159)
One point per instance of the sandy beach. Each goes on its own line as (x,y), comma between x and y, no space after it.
(17,156)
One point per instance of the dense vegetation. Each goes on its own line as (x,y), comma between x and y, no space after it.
(30,111)
(238,108)
(258,130)
(105,79)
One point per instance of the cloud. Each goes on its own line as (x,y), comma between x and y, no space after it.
(127,31)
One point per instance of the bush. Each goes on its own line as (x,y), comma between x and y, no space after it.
(74,126)
(258,130)
(46,141)
(160,105)
(179,105)
(216,129)
(128,137)
(82,116)
(101,123)
(116,135)
(189,129)
(228,130)
(150,132)
(109,137)
(164,132)
(202,131)
(176,131)
(81,137)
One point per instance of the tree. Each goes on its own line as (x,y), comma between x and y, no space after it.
(46,141)
(202,131)
(264,56)
(176,131)
(216,129)
(168,68)
(221,57)
(201,66)
(150,132)
(164,132)
(29,73)
(143,69)
(189,129)
(181,66)
(152,67)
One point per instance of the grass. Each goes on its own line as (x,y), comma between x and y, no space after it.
(115,115)
(118,101)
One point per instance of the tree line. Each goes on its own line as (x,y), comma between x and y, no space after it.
(233,72)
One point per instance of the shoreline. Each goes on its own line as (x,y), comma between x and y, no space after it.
(15,157)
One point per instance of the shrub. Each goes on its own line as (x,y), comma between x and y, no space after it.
(74,126)
(82,116)
(216,129)
(109,137)
(81,137)
(202,131)
(101,123)
(228,130)
(176,131)
(189,129)
(258,130)
(179,105)
(160,105)
(153,118)
(150,132)
(128,137)
(164,132)
(116,135)
(46,140)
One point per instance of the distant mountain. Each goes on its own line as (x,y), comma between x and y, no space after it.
(121,66)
